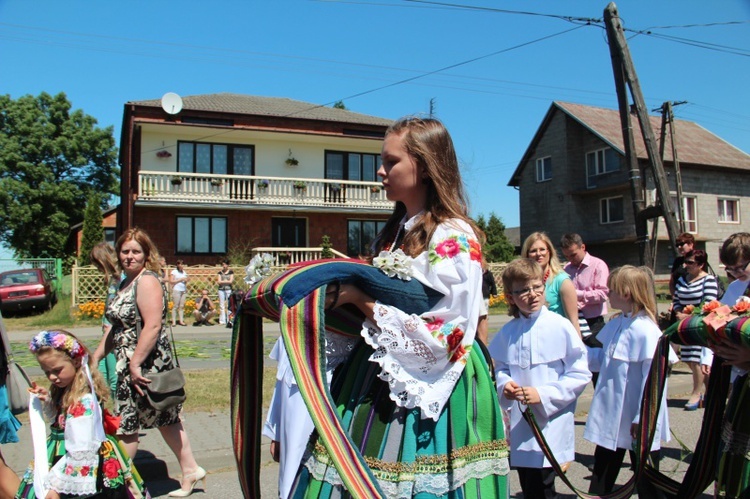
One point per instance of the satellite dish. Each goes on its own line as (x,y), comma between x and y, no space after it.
(171,103)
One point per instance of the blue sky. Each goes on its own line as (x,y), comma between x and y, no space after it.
(103,54)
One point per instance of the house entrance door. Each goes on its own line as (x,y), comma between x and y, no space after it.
(289,232)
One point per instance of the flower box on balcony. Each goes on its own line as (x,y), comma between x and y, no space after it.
(217,182)
(176,180)
(374,189)
(300,185)
(262,185)
(163,154)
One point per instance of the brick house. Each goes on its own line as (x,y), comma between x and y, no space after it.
(244,170)
(573,178)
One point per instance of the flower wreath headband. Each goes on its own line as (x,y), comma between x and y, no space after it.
(59,341)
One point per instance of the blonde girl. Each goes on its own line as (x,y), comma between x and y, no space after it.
(81,458)
(629,341)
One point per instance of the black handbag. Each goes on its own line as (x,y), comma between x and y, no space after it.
(167,388)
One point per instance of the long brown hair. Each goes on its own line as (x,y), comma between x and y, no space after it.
(429,144)
(104,258)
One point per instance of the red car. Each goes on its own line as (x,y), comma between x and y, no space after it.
(26,289)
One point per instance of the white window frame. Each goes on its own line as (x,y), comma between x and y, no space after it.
(722,210)
(540,170)
(608,220)
(691,224)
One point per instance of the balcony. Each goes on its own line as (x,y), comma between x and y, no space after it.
(250,190)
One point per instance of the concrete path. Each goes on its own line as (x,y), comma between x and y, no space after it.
(210,432)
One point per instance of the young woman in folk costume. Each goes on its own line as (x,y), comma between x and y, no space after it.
(83,457)
(417,397)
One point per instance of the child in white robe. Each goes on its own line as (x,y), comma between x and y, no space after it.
(629,342)
(540,362)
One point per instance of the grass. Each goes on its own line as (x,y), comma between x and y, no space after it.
(207,389)
(59,317)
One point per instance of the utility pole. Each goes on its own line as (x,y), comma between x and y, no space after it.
(667,117)
(624,74)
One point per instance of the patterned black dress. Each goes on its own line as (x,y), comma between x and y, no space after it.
(133,408)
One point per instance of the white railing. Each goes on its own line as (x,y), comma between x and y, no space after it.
(247,189)
(288,256)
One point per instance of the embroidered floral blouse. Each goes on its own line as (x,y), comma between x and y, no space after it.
(422,357)
(76,472)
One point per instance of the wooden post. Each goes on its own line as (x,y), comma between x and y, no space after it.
(622,65)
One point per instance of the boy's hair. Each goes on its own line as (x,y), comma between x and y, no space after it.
(429,144)
(104,258)
(638,283)
(519,270)
(554,262)
(735,249)
(571,239)
(65,344)
(149,248)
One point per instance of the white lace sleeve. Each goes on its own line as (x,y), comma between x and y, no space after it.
(422,357)
(75,473)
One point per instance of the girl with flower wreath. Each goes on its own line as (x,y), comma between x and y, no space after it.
(416,396)
(83,457)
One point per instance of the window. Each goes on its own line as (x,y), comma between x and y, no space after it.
(611,210)
(110,236)
(218,159)
(202,235)
(361,234)
(602,161)
(288,232)
(352,166)
(544,169)
(729,211)
(689,211)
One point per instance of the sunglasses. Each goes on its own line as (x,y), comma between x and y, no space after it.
(680,245)
(689,262)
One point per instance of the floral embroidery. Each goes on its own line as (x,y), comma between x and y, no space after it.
(451,337)
(77,410)
(111,468)
(453,246)
(80,470)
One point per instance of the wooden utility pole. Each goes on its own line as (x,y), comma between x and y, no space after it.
(624,73)
(667,116)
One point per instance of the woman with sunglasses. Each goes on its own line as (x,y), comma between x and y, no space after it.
(694,288)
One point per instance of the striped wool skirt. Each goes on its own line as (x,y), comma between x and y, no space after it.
(462,455)
(733,478)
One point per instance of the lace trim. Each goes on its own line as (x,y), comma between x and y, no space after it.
(435,475)
(338,349)
(735,443)
(392,346)
(74,478)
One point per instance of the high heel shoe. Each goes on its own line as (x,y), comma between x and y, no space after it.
(199,475)
(694,406)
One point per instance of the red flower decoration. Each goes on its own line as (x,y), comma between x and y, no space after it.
(111,468)
(742,306)
(475,250)
(711,306)
(455,349)
(448,248)
(435,325)
(111,423)
(85,470)
(77,410)
(688,309)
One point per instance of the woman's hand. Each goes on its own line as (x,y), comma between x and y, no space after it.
(39,391)
(348,293)
(733,354)
(137,379)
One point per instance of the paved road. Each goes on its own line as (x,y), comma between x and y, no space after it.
(211,437)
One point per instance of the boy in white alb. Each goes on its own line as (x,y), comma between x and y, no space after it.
(540,362)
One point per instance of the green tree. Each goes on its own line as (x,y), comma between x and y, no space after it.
(325,245)
(51,159)
(497,248)
(93,232)
(339,104)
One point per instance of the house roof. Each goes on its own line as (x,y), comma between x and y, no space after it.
(269,106)
(695,145)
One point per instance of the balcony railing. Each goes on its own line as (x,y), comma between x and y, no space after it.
(282,257)
(255,190)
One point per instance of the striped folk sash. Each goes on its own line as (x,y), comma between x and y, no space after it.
(303,328)
(702,469)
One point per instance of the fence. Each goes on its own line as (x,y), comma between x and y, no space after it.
(53,266)
(88,283)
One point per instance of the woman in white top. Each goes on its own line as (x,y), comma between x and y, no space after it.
(178,279)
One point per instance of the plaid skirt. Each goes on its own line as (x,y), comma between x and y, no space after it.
(462,455)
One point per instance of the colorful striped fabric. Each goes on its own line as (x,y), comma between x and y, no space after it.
(303,326)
